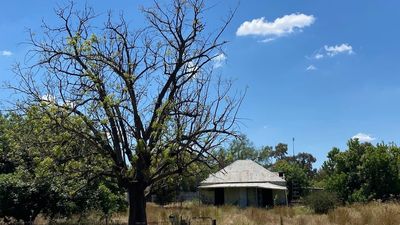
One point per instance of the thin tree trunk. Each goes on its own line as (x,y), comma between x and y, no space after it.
(137,205)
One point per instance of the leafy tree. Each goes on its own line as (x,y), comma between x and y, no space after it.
(169,189)
(39,175)
(109,199)
(25,190)
(264,156)
(142,97)
(298,169)
(295,176)
(380,172)
(280,151)
(243,148)
(363,172)
(306,161)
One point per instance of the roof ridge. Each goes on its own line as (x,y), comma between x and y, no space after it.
(243,171)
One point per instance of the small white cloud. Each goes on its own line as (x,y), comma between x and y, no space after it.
(330,51)
(219,60)
(48,98)
(318,56)
(363,137)
(6,53)
(279,27)
(266,40)
(311,67)
(338,49)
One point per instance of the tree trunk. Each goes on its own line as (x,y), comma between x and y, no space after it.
(137,205)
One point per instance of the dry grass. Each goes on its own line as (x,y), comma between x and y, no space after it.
(358,214)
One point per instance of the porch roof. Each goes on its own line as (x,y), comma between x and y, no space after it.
(264,185)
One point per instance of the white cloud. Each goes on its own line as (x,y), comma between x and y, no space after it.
(363,137)
(337,49)
(279,27)
(219,60)
(48,98)
(6,53)
(311,67)
(266,40)
(331,51)
(318,56)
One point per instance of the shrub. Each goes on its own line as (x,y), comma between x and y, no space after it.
(321,201)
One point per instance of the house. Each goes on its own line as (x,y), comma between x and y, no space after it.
(244,183)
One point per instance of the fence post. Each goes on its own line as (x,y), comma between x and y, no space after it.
(214,222)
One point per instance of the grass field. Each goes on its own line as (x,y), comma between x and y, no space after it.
(358,214)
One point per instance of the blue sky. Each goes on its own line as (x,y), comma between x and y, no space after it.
(319,71)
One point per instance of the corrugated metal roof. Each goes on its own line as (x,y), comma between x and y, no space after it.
(243,171)
(253,185)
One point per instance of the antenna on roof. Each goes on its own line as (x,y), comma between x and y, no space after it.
(293,146)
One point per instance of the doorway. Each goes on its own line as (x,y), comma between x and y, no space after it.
(265,197)
(219,198)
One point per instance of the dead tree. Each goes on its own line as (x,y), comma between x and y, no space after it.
(148,98)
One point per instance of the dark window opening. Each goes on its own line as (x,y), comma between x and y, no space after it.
(265,198)
(219,196)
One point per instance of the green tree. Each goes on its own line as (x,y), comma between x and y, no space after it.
(108,198)
(264,156)
(280,151)
(143,96)
(25,189)
(242,148)
(306,160)
(380,172)
(41,174)
(363,172)
(295,176)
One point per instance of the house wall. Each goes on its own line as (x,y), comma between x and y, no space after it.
(232,196)
(241,196)
(252,197)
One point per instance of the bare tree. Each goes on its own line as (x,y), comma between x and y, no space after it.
(148,98)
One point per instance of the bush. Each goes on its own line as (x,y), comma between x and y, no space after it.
(321,201)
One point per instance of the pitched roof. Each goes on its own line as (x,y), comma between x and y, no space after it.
(243,171)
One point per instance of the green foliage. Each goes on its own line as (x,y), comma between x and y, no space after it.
(168,190)
(321,201)
(243,148)
(280,151)
(44,169)
(109,198)
(295,175)
(306,160)
(363,172)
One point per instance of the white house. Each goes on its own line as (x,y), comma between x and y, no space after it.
(244,183)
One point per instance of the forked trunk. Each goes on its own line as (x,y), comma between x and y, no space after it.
(137,206)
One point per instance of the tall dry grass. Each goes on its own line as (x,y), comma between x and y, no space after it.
(374,213)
